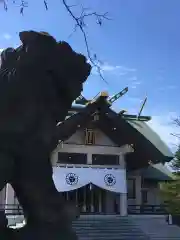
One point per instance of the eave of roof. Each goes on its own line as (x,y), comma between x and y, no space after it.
(144,129)
(143,137)
(157,172)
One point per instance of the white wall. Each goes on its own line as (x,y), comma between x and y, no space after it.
(100,139)
(76,138)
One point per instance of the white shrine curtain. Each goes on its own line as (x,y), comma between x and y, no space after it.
(110,179)
(67,179)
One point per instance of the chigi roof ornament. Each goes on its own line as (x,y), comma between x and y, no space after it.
(142,107)
(83,101)
(117,96)
(104,94)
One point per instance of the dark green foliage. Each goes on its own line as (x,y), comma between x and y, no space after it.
(171,196)
(176,161)
(171,191)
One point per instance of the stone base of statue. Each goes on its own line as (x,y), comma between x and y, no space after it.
(44,232)
(37,230)
(5,232)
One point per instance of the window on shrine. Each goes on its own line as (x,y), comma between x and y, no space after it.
(72,158)
(131,186)
(89,136)
(102,159)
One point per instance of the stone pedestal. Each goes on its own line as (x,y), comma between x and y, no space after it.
(44,232)
(5,233)
(35,232)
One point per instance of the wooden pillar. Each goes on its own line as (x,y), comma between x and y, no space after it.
(123,196)
(89,158)
(138,189)
(123,204)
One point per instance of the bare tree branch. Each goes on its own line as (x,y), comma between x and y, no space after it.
(177,121)
(176,135)
(5,5)
(80,23)
(23,5)
(45,4)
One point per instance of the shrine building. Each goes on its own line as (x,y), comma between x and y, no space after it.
(107,162)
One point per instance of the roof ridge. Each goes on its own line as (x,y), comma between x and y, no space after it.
(76,109)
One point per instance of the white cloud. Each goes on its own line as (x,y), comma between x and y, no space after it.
(114,69)
(109,68)
(134,84)
(134,78)
(165,127)
(134,99)
(167,87)
(123,70)
(7,36)
(137,83)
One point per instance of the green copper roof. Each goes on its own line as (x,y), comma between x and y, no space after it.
(143,128)
(157,172)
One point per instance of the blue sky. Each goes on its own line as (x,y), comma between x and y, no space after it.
(139,48)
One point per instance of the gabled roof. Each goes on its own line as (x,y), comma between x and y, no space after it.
(157,172)
(144,129)
(122,129)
